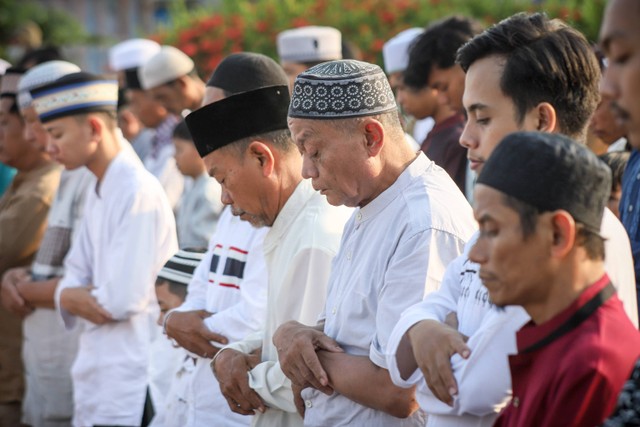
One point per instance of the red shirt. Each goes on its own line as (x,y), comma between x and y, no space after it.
(572,379)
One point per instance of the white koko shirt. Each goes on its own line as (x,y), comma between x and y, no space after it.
(126,235)
(298,250)
(394,250)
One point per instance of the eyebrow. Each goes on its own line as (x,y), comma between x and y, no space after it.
(477,106)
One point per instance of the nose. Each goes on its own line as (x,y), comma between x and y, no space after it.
(309,170)
(225,197)
(468,140)
(28,133)
(478,252)
(160,320)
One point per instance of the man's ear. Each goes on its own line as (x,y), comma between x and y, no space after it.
(374,136)
(261,154)
(95,126)
(546,117)
(564,233)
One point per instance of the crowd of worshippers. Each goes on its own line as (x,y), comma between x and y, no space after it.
(273,247)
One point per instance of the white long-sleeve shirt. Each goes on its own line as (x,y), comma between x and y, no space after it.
(126,236)
(231,282)
(393,250)
(491,335)
(298,250)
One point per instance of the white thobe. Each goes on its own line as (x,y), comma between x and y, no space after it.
(126,236)
(394,250)
(298,250)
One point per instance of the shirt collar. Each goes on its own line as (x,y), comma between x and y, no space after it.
(415,169)
(288,214)
(531,333)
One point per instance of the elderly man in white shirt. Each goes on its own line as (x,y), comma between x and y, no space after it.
(126,235)
(247,147)
(410,221)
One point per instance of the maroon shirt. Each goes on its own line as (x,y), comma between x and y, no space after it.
(442,145)
(572,378)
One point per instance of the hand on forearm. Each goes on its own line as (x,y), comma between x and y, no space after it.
(11,298)
(433,344)
(230,367)
(297,345)
(189,330)
(80,302)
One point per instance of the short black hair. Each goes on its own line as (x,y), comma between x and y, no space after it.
(545,61)
(592,242)
(437,47)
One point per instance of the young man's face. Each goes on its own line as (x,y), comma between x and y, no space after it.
(170,97)
(449,83)
(604,123)
(421,103)
(13,146)
(513,269)
(490,114)
(149,111)
(187,158)
(620,38)
(240,177)
(70,141)
(332,159)
(33,129)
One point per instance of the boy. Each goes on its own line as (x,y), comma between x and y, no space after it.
(127,234)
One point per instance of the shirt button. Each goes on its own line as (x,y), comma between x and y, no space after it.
(630,209)
(638,177)
(359,216)
(349,255)
(333,310)
(308,403)
(516,402)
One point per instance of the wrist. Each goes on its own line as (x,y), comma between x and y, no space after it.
(166,320)
(212,364)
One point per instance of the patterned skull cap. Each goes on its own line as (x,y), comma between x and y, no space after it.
(341,89)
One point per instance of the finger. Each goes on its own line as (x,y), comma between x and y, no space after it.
(212,336)
(312,363)
(251,400)
(445,383)
(325,342)
(235,407)
(461,348)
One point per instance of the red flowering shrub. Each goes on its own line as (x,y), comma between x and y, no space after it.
(208,35)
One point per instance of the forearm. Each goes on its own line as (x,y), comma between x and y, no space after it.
(358,379)
(39,294)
